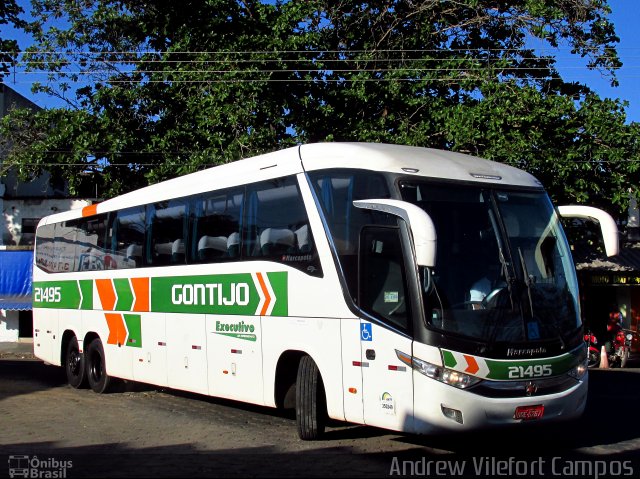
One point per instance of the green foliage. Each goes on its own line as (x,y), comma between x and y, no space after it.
(9,15)
(168,88)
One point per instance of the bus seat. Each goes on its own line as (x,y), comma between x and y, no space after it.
(163,248)
(210,247)
(303,239)
(162,253)
(177,251)
(274,241)
(134,253)
(233,245)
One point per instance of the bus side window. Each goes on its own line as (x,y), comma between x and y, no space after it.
(65,246)
(277,226)
(168,227)
(45,247)
(216,225)
(128,237)
(382,289)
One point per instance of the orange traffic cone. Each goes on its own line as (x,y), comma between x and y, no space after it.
(604,360)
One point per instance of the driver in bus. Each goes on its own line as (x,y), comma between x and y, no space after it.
(484,286)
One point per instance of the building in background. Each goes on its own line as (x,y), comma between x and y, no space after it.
(23,204)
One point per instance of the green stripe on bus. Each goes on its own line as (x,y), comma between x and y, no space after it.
(134,338)
(531,368)
(86,287)
(507,369)
(125,295)
(56,294)
(449,359)
(235,294)
(279,285)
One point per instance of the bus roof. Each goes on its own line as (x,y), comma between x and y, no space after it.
(407,160)
(426,162)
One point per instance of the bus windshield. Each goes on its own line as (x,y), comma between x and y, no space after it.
(504,271)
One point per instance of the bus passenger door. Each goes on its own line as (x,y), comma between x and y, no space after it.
(387,383)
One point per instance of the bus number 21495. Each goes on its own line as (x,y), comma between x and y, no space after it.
(535,371)
(51,294)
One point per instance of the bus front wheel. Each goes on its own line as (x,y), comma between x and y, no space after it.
(74,365)
(97,375)
(311,408)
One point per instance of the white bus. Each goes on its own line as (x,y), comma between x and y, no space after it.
(406,288)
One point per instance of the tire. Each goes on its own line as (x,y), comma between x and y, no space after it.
(97,375)
(311,407)
(74,365)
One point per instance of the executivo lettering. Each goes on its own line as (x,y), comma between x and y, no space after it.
(239,330)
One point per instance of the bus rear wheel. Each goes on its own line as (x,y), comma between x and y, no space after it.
(311,408)
(97,375)
(74,365)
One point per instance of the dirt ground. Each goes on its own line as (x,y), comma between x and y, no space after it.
(145,432)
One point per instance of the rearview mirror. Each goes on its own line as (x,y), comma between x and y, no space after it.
(419,222)
(607,224)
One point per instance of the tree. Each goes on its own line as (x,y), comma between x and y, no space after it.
(9,15)
(167,88)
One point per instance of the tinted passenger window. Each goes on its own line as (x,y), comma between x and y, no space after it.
(277,226)
(128,237)
(90,251)
(64,247)
(168,229)
(217,226)
(45,248)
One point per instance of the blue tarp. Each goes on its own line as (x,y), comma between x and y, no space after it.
(16,268)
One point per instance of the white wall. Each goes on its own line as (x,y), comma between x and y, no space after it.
(14,210)
(9,326)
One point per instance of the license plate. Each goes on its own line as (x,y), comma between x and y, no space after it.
(527,413)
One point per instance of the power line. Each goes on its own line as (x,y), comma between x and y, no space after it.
(167,155)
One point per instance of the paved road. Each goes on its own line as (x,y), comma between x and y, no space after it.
(144,432)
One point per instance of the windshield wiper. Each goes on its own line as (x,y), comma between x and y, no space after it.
(508,277)
(528,280)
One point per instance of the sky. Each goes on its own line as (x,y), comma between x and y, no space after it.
(625,16)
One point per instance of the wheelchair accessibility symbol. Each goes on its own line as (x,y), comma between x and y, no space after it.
(365,332)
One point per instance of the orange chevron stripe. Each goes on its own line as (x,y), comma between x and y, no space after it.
(117,330)
(141,291)
(107,294)
(267,301)
(90,210)
(472,367)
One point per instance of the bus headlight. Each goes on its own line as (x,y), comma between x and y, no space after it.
(439,373)
(579,370)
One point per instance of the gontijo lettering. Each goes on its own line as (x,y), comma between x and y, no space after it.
(250,294)
(211,294)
